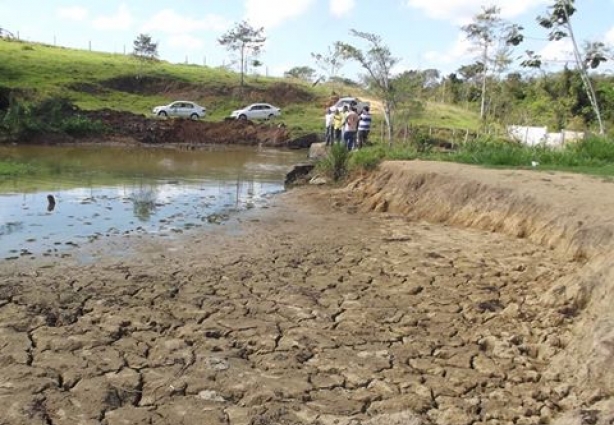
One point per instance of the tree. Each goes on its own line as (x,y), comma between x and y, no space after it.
(558,22)
(144,48)
(246,40)
(301,72)
(377,61)
(493,36)
(330,62)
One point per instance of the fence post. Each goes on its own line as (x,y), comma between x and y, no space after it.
(466,135)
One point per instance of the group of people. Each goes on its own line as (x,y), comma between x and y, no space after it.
(347,126)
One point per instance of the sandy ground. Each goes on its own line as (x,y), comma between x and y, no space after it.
(319,311)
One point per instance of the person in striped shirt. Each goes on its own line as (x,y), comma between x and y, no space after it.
(364,127)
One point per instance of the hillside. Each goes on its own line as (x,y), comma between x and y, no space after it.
(95,80)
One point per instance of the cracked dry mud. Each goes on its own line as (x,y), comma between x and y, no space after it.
(308,315)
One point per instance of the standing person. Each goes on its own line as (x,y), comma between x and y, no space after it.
(328,122)
(344,115)
(351,128)
(337,124)
(364,127)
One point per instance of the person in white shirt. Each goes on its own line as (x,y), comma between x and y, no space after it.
(329,131)
(364,127)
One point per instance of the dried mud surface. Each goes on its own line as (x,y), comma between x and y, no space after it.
(314,313)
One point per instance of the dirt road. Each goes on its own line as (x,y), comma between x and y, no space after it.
(320,311)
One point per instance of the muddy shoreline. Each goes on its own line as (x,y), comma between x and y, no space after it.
(423,293)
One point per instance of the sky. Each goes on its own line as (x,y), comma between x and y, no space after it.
(421,33)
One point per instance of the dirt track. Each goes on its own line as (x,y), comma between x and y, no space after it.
(317,312)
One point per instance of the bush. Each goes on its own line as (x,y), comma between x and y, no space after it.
(53,115)
(336,162)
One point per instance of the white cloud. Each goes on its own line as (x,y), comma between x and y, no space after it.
(272,13)
(461,11)
(171,22)
(74,13)
(185,41)
(461,49)
(122,20)
(339,8)
(609,36)
(557,52)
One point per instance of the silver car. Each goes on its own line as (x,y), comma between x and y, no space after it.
(257,111)
(182,109)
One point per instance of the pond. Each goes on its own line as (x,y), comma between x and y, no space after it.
(69,196)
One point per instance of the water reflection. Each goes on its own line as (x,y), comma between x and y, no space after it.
(94,193)
(10,227)
(144,202)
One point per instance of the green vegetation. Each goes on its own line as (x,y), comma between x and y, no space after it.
(447,116)
(48,116)
(594,155)
(335,164)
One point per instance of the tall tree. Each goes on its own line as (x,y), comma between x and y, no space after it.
(491,35)
(377,60)
(558,23)
(301,72)
(246,40)
(330,62)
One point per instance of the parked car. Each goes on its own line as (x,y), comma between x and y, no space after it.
(257,111)
(351,101)
(182,109)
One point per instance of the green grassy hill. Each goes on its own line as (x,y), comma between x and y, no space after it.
(94,80)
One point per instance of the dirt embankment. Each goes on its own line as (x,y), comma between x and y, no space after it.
(424,293)
(192,133)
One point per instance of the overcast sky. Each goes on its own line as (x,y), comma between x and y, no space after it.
(423,33)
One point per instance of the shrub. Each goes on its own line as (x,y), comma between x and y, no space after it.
(335,164)
(53,115)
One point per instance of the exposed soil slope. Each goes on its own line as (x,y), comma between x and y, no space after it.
(188,132)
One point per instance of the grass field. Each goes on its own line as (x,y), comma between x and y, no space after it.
(91,79)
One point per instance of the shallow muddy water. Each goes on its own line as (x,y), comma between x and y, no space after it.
(102,191)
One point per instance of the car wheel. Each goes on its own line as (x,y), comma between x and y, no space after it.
(162,114)
(271,116)
(242,117)
(194,117)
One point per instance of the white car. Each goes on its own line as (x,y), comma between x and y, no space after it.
(257,111)
(349,102)
(182,109)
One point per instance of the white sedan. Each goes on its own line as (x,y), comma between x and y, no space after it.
(182,109)
(257,111)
